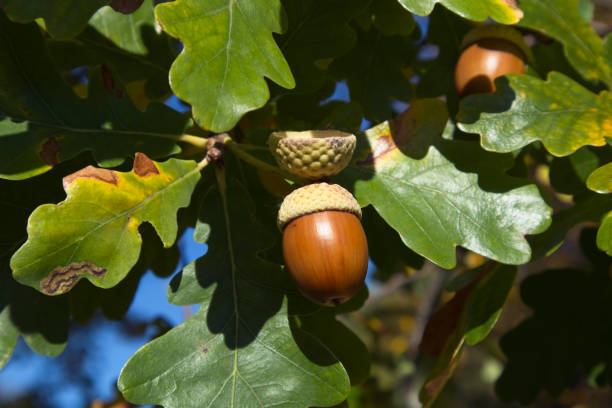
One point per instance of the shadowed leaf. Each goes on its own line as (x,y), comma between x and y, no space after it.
(238,350)
(63,18)
(46,123)
(471,315)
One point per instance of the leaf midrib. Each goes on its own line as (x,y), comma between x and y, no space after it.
(128,211)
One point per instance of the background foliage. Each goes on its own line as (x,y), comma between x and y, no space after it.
(486,217)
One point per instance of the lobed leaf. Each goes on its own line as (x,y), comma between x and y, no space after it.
(46,123)
(502,11)
(570,321)
(238,350)
(433,205)
(374,72)
(590,209)
(94,234)
(467,318)
(229,49)
(318,32)
(561,19)
(63,18)
(559,112)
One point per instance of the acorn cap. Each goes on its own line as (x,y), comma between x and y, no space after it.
(497,31)
(312,154)
(314,198)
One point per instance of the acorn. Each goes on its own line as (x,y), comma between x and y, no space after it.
(324,245)
(312,154)
(489,51)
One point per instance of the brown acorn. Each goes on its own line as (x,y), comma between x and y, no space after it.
(489,51)
(324,245)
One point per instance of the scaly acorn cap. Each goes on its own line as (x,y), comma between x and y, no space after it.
(498,31)
(314,198)
(312,154)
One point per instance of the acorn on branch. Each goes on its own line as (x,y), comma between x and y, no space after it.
(324,244)
(489,51)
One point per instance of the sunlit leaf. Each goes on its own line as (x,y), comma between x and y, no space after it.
(503,11)
(561,20)
(238,349)
(559,112)
(432,205)
(94,234)
(229,49)
(604,234)
(600,180)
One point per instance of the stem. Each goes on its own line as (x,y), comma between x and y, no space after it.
(238,150)
(203,163)
(191,139)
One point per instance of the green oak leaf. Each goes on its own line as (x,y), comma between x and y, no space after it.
(374,73)
(502,11)
(238,349)
(600,180)
(93,233)
(604,234)
(318,32)
(389,17)
(46,123)
(63,18)
(471,315)
(129,45)
(433,205)
(8,336)
(590,209)
(229,49)
(561,20)
(568,175)
(437,76)
(570,320)
(559,112)
(40,319)
(385,247)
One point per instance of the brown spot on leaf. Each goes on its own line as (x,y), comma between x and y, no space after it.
(91,172)
(49,151)
(126,6)
(143,166)
(109,82)
(63,278)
